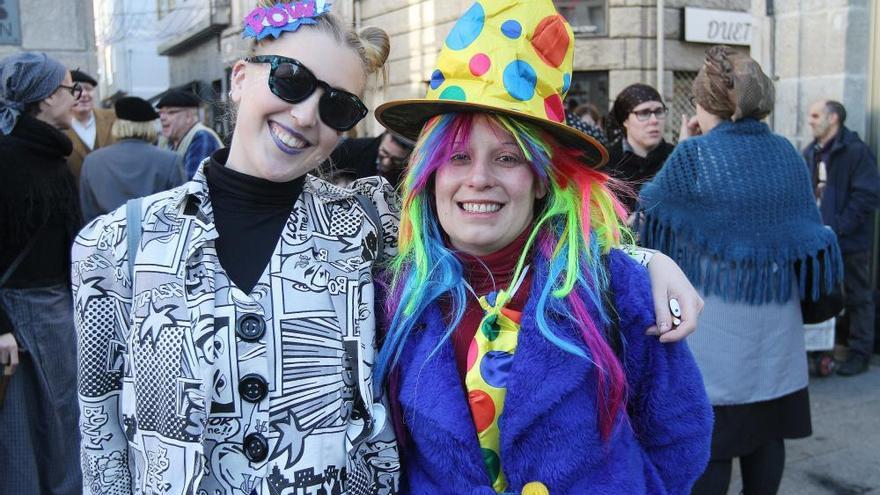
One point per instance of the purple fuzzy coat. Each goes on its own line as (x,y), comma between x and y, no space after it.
(549,428)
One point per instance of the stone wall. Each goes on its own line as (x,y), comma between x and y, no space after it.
(813,49)
(64,29)
(628,52)
(821,52)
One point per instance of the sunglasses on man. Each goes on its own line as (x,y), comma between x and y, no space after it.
(293,82)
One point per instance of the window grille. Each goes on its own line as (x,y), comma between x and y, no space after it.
(588,87)
(680,104)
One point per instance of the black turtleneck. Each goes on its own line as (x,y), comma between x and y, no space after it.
(249,213)
(38,200)
(634,169)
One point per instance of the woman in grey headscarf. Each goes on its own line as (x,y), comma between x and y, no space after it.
(39,217)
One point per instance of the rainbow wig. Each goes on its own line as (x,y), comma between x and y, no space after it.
(575,223)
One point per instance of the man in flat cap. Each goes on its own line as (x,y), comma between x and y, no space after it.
(131,168)
(91,126)
(192,140)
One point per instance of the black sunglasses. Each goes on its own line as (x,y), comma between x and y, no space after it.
(293,82)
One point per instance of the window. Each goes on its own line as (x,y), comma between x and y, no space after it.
(588,87)
(587,17)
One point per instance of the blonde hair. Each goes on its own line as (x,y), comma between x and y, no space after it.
(127,129)
(370,43)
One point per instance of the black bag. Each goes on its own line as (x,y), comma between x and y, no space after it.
(829,304)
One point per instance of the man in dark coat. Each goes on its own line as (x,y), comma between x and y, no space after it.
(385,155)
(131,168)
(847,189)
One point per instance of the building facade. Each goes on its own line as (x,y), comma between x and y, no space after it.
(821,50)
(813,49)
(616,44)
(128,34)
(61,28)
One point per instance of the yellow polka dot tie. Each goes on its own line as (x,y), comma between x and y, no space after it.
(488,366)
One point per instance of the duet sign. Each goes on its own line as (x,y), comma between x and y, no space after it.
(718,26)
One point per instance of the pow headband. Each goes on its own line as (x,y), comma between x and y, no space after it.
(283,17)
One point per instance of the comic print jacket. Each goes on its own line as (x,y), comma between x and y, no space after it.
(166,405)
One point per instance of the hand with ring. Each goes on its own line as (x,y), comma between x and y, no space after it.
(668,284)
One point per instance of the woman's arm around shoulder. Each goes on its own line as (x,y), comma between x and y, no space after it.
(669,409)
(668,282)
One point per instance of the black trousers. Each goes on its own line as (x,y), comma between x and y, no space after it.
(859,318)
(761,472)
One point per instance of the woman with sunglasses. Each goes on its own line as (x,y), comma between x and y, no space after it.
(239,355)
(637,149)
(235,356)
(516,353)
(39,217)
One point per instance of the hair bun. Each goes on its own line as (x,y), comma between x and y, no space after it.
(376,46)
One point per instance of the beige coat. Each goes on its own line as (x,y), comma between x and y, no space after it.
(103,137)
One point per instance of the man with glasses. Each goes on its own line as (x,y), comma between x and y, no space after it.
(184,134)
(91,126)
(385,155)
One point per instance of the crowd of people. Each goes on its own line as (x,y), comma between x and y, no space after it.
(497,294)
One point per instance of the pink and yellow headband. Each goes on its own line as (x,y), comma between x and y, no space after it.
(282,17)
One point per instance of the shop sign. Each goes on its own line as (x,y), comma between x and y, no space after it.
(718,26)
(10,23)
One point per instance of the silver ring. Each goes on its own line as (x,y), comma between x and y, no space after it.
(675,309)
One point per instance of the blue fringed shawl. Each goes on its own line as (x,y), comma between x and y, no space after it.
(736,211)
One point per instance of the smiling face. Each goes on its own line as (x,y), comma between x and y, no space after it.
(644,135)
(485,193)
(281,141)
(86,102)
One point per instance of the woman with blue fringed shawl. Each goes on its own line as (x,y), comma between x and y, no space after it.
(734,207)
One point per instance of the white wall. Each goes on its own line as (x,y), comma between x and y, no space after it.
(61,28)
(127,36)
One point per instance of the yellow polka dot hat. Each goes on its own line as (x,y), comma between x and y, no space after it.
(502,56)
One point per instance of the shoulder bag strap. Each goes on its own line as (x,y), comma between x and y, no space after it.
(133,226)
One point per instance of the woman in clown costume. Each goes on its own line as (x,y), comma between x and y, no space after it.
(226,328)
(516,353)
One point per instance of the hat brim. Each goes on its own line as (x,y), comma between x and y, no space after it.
(407,117)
